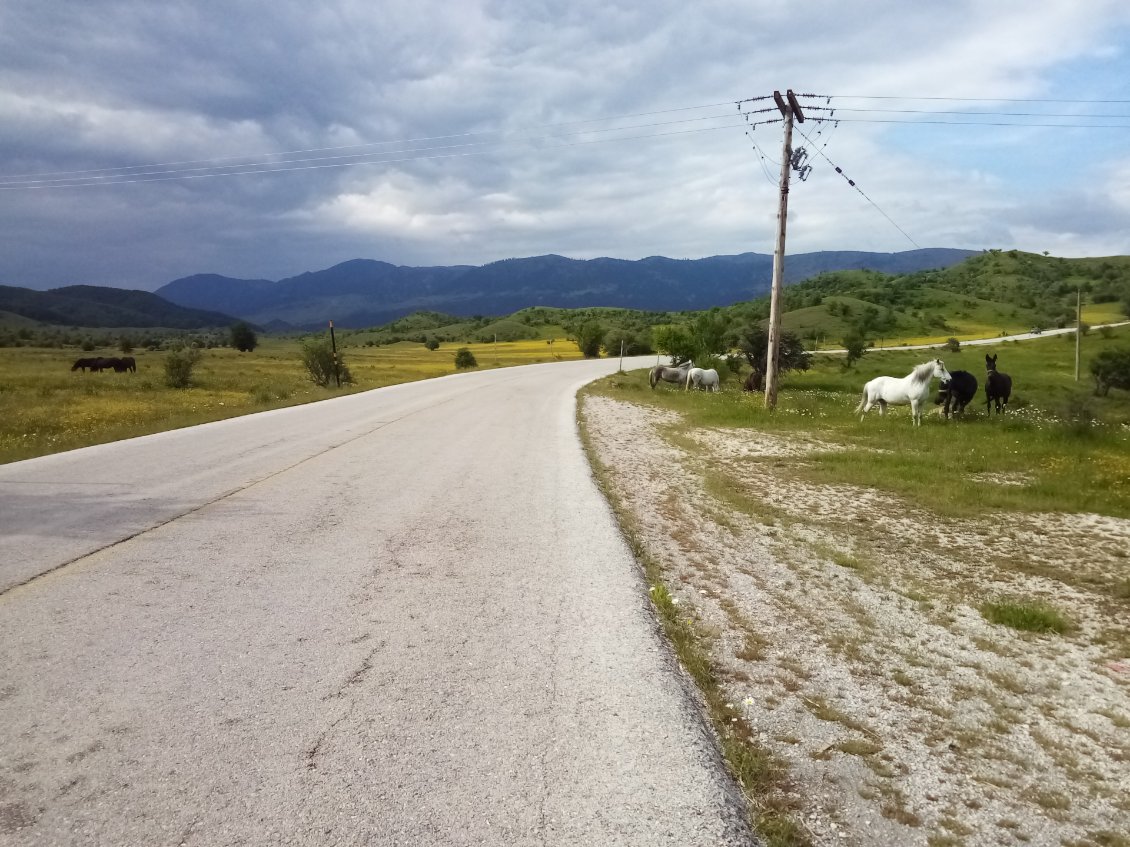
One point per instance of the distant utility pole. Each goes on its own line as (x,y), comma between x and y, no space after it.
(1078,326)
(789,110)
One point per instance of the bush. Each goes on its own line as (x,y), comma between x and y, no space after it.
(589,338)
(243,338)
(953,345)
(432,344)
(1111,369)
(464,358)
(318,359)
(179,365)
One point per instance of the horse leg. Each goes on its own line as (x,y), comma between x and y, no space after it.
(916,412)
(882,406)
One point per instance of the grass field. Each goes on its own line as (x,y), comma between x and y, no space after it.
(1070,448)
(47,408)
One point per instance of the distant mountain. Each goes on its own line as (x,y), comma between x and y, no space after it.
(364,292)
(98,306)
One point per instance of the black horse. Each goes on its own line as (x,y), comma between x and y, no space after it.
(957,391)
(998,386)
(83,364)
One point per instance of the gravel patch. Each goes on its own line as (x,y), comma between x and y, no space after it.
(845,623)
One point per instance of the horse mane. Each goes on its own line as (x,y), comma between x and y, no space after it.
(923,372)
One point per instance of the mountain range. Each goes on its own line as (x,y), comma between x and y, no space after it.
(365,292)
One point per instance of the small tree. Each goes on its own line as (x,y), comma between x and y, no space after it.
(952,345)
(464,358)
(589,338)
(675,342)
(1111,369)
(753,342)
(243,337)
(318,359)
(432,344)
(855,345)
(125,344)
(179,365)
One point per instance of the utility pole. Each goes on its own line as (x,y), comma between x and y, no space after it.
(1078,326)
(333,347)
(789,110)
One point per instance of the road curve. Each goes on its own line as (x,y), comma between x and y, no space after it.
(403,617)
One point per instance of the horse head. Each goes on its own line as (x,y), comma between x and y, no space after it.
(940,371)
(990,363)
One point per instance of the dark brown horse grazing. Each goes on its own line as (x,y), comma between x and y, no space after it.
(998,386)
(83,364)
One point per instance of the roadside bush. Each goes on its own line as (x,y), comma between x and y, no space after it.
(464,358)
(953,345)
(179,365)
(318,359)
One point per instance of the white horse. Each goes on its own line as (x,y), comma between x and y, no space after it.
(912,388)
(661,373)
(705,378)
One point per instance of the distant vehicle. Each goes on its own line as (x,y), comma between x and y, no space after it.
(1036,330)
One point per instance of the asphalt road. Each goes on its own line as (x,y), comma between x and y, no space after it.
(404,617)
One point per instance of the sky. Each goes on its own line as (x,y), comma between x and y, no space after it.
(142,142)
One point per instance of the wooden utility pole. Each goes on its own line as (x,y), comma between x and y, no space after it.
(789,110)
(1078,326)
(333,347)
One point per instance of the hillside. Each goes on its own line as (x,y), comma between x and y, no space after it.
(97,306)
(364,292)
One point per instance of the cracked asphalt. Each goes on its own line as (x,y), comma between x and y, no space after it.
(399,617)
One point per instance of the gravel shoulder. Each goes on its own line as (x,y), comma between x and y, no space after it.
(844,623)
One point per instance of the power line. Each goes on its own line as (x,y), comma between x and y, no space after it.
(265,168)
(402,142)
(852,183)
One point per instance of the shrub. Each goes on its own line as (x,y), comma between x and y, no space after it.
(243,337)
(318,359)
(464,358)
(179,365)
(1111,369)
(953,345)
(589,338)
(431,343)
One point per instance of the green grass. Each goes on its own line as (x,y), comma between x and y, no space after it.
(1057,449)
(46,408)
(1026,616)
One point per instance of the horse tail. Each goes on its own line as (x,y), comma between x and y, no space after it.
(653,376)
(862,401)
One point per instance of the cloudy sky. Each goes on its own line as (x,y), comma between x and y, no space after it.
(143,141)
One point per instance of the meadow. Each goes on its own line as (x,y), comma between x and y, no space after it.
(1069,448)
(46,408)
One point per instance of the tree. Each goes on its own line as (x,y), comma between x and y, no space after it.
(243,337)
(464,358)
(675,342)
(318,359)
(753,342)
(632,344)
(855,346)
(179,365)
(589,338)
(1111,369)
(432,343)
